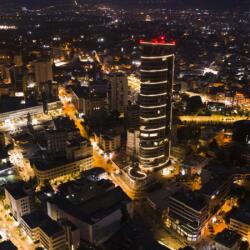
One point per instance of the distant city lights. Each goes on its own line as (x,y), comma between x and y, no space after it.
(8,27)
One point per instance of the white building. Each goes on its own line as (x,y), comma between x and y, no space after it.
(110,143)
(39,227)
(19,200)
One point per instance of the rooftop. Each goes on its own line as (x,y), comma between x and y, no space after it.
(16,190)
(51,227)
(227,238)
(96,208)
(64,123)
(9,104)
(7,245)
(80,92)
(243,212)
(161,40)
(34,219)
(83,189)
(190,199)
(213,185)
(47,164)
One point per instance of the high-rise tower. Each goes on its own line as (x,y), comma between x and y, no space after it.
(157,70)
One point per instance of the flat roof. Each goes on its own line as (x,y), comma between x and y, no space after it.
(7,245)
(191,199)
(51,227)
(9,104)
(34,219)
(46,164)
(94,209)
(16,190)
(243,212)
(213,185)
(83,189)
(227,238)
(63,123)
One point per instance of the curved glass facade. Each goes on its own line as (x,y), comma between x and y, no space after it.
(155,99)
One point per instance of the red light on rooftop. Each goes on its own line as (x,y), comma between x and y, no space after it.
(158,41)
(154,40)
(163,38)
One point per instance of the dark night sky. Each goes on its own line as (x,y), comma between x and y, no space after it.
(214,4)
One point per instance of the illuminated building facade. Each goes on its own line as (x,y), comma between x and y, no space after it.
(157,70)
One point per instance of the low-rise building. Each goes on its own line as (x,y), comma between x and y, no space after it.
(216,190)
(193,165)
(227,240)
(78,158)
(40,228)
(187,214)
(51,169)
(88,102)
(30,224)
(98,218)
(19,199)
(110,142)
(240,219)
(52,236)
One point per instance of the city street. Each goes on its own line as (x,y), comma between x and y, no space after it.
(10,229)
(21,163)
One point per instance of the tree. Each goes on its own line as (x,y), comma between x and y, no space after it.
(2,195)
(32,183)
(194,104)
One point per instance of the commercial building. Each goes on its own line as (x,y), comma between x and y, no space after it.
(18,79)
(98,217)
(110,142)
(30,224)
(241,131)
(43,71)
(40,228)
(227,240)
(240,219)
(55,142)
(216,190)
(117,91)
(78,158)
(133,143)
(155,100)
(134,181)
(49,170)
(86,102)
(193,165)
(187,215)
(52,236)
(132,116)
(19,199)
(18,60)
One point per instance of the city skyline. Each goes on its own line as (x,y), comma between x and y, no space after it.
(124,125)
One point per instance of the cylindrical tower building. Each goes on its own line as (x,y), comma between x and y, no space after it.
(155,99)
